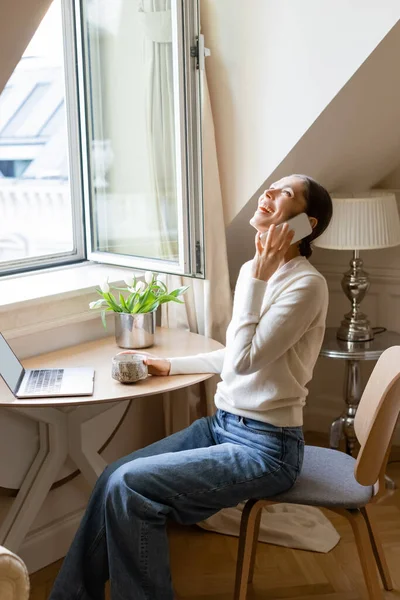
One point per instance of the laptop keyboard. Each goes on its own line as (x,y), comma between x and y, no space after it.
(44,381)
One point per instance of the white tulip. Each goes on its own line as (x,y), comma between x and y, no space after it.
(140,286)
(93,304)
(105,288)
(129,281)
(148,276)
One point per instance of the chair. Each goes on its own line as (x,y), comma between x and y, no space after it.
(14,578)
(335,480)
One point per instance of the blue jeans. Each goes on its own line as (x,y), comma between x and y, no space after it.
(215,463)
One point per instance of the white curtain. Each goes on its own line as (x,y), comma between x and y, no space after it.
(208,304)
(208,308)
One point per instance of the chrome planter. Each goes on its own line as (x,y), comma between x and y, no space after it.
(135,331)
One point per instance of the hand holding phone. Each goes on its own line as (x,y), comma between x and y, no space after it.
(299,224)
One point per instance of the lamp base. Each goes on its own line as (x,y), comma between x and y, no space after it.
(352,330)
(355,326)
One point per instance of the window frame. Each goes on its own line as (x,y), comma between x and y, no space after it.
(186,28)
(78,253)
(187,105)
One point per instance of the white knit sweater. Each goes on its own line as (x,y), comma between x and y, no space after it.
(272,344)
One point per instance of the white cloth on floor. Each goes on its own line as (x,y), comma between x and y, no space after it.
(290,525)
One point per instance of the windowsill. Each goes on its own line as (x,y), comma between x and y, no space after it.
(47,299)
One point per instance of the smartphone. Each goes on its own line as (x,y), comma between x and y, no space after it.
(299,224)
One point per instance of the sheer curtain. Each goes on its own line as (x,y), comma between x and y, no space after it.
(208,304)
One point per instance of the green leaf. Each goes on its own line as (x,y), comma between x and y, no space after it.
(103,319)
(161,286)
(149,296)
(131,301)
(169,298)
(179,291)
(143,299)
(112,302)
(123,303)
(150,309)
(146,307)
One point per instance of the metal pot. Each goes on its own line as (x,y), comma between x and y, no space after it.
(135,331)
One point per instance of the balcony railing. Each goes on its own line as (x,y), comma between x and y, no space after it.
(35,218)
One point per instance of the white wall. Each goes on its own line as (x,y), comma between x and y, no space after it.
(275,65)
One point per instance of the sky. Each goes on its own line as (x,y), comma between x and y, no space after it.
(47,41)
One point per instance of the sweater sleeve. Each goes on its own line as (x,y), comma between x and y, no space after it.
(262,339)
(209,362)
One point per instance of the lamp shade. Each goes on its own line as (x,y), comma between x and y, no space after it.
(362,222)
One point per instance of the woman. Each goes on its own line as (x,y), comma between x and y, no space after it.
(253,445)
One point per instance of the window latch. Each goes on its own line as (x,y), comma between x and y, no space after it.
(200,52)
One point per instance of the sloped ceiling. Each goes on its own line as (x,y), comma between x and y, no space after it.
(18,23)
(352,145)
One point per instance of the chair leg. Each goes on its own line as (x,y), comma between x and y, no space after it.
(365,553)
(378,550)
(254,547)
(246,551)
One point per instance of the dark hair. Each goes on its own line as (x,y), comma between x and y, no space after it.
(318,205)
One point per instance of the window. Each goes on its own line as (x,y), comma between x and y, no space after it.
(39,218)
(100,150)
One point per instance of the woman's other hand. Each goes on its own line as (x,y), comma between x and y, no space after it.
(155,364)
(269,256)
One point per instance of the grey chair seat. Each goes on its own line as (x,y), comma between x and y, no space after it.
(327,479)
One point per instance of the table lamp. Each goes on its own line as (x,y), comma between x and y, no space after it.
(366,221)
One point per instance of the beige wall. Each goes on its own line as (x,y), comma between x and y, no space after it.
(275,65)
(19,21)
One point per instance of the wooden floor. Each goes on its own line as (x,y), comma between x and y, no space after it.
(203,563)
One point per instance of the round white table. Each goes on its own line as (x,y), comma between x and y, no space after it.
(61,419)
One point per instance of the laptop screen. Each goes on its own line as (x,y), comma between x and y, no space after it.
(11,369)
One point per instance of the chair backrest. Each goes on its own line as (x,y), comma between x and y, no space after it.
(376,418)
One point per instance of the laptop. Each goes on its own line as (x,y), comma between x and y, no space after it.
(43,383)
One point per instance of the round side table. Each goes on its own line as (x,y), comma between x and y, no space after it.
(353,353)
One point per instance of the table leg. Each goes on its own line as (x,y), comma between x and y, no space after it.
(39,479)
(336,432)
(60,436)
(344,425)
(90,463)
(352,394)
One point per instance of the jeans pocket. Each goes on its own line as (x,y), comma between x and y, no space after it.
(260,427)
